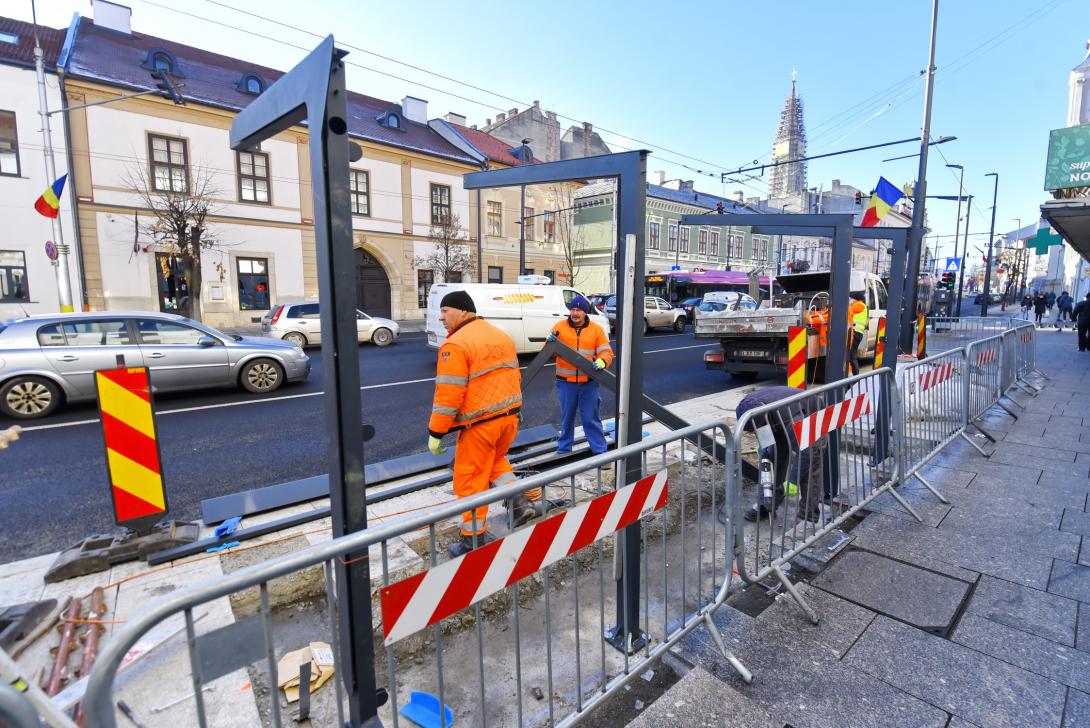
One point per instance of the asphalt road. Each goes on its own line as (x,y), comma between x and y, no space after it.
(53,479)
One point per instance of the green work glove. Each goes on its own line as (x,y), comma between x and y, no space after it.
(599,363)
(436,445)
(552,336)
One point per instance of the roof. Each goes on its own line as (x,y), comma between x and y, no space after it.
(22,53)
(111,57)
(492,147)
(699,199)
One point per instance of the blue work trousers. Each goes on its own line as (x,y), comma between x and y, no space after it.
(582,397)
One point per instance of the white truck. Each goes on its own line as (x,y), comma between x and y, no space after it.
(754,341)
(527,311)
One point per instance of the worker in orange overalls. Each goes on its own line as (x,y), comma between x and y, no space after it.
(478,392)
(578,393)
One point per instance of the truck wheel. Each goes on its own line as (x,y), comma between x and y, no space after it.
(679,324)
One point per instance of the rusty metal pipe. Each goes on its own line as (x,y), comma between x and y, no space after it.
(64,649)
(90,640)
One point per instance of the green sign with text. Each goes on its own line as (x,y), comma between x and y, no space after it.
(1068,162)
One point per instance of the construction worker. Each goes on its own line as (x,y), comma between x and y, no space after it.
(577,391)
(477,393)
(858,320)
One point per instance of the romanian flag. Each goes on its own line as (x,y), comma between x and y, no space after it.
(885,196)
(49,204)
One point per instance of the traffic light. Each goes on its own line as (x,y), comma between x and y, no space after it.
(859,198)
(167,88)
(949,281)
(719,208)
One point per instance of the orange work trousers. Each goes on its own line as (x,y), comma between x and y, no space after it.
(480,458)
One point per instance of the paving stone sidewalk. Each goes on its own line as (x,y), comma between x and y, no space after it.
(980,616)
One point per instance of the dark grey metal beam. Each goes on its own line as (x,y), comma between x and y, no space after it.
(790,221)
(605,165)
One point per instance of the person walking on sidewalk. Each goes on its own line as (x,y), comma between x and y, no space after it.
(577,391)
(858,320)
(1027,303)
(1082,322)
(478,393)
(1051,301)
(1040,305)
(1063,304)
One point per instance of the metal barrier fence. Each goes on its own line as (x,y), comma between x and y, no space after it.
(984,383)
(955,332)
(1026,354)
(567,563)
(823,455)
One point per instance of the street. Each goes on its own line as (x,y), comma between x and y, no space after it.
(223,441)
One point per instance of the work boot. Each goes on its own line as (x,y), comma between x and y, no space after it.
(464,545)
(522,510)
(756,511)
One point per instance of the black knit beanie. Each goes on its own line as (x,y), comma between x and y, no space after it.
(459,300)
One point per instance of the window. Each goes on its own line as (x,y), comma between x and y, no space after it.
(389,119)
(440,204)
(253,284)
(671,242)
(169,166)
(9,38)
(251,83)
(527,271)
(703,247)
(160,59)
(13,282)
(454,276)
(528,223)
(305,311)
(51,335)
(97,333)
(424,281)
(166,333)
(653,235)
(495,274)
(715,243)
(9,144)
(569,296)
(549,224)
(550,274)
(359,191)
(495,218)
(253,177)
(685,240)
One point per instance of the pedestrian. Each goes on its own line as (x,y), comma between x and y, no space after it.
(1027,303)
(1040,305)
(858,320)
(578,393)
(790,476)
(1082,321)
(1063,312)
(1051,301)
(478,393)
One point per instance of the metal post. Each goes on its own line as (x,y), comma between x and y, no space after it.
(991,241)
(480,242)
(314,91)
(522,230)
(964,254)
(908,314)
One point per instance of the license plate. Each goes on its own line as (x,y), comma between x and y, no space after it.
(751,354)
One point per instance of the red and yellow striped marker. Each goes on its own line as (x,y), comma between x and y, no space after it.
(921,337)
(132,447)
(880,345)
(796,357)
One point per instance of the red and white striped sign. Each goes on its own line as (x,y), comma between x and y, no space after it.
(1027,337)
(425,598)
(986,357)
(813,427)
(936,375)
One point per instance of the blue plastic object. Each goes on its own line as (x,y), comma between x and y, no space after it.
(228,527)
(223,547)
(423,709)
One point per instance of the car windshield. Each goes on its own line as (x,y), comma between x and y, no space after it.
(611,301)
(209,330)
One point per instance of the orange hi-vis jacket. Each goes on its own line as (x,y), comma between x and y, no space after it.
(590,341)
(476,378)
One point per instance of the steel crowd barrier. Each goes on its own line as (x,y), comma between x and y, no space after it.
(1026,347)
(500,604)
(822,455)
(955,332)
(984,385)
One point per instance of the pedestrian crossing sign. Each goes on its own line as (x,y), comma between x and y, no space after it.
(953,265)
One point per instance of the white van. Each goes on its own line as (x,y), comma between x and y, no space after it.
(526,312)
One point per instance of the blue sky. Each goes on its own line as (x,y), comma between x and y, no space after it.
(703,81)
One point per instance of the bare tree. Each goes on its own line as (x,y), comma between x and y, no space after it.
(179,223)
(565,233)
(451,253)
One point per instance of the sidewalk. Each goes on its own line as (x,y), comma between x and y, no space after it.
(980,616)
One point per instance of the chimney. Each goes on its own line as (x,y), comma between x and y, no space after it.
(500,117)
(587,129)
(488,122)
(738,195)
(513,112)
(537,106)
(112,16)
(453,118)
(686,185)
(755,201)
(658,177)
(414,109)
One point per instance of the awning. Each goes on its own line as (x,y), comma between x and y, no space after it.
(1071,219)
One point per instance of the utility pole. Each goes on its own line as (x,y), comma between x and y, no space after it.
(60,265)
(908,313)
(991,242)
(964,252)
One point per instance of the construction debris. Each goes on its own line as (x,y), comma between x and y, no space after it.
(320,657)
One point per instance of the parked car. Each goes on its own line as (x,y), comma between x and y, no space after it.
(598,300)
(689,305)
(656,313)
(610,308)
(47,360)
(992,298)
(299,323)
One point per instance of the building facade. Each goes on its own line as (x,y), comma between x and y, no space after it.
(28,278)
(542,129)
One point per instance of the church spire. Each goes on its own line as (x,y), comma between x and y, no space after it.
(790,143)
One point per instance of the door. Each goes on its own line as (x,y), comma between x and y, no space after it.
(666,311)
(305,319)
(179,356)
(77,350)
(372,286)
(364,327)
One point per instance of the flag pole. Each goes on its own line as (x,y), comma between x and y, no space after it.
(64,279)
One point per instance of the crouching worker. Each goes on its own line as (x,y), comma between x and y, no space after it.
(478,393)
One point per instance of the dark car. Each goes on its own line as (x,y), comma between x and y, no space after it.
(689,305)
(598,300)
(992,298)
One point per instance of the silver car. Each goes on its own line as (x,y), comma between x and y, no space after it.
(45,360)
(299,323)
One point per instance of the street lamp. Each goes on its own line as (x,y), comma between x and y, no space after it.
(991,242)
(1017,239)
(957,231)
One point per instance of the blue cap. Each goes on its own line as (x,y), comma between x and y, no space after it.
(580,302)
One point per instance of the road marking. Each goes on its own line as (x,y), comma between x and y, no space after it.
(282,398)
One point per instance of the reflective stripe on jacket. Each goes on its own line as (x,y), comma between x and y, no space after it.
(859,316)
(476,378)
(590,341)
